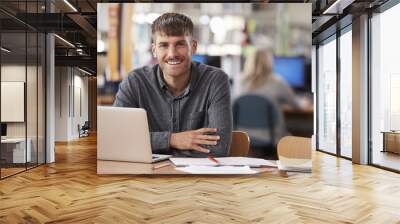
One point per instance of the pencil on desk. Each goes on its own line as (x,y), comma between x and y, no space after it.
(161,165)
(210,157)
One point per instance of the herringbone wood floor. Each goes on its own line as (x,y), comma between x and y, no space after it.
(69,191)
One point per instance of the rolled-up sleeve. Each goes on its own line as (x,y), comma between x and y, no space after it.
(220,115)
(160,142)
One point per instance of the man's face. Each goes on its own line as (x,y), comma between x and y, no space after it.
(174,53)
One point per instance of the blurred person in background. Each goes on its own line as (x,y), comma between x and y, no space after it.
(258,78)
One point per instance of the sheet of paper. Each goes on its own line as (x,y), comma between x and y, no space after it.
(217,170)
(192,162)
(246,161)
(223,161)
(297,165)
(295,162)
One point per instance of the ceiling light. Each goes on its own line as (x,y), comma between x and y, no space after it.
(151,17)
(5,49)
(70,5)
(139,18)
(217,25)
(204,19)
(64,40)
(84,71)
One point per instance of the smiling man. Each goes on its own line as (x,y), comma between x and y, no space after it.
(187,103)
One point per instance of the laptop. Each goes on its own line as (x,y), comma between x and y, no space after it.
(123,135)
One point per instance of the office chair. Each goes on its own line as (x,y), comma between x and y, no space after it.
(261,118)
(294,147)
(84,130)
(240,144)
(294,154)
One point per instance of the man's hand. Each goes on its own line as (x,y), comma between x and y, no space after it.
(191,140)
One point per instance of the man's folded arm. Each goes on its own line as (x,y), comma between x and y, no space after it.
(220,116)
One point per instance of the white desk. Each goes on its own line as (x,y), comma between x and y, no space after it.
(17,147)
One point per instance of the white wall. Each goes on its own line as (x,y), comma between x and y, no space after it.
(62,81)
(71,94)
(14,73)
(34,123)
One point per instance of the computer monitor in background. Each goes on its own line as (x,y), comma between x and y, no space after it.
(3,129)
(214,61)
(292,70)
(199,58)
(208,60)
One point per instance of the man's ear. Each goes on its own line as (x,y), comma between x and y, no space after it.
(153,50)
(194,46)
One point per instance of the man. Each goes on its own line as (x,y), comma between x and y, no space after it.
(187,103)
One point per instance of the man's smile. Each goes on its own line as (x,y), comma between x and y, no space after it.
(174,62)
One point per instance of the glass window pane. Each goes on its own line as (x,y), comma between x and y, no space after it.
(23,84)
(13,85)
(346,94)
(327,97)
(385,84)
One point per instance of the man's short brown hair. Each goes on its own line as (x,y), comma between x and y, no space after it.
(172,24)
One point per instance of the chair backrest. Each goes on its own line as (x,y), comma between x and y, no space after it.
(253,111)
(258,112)
(240,144)
(86,125)
(294,147)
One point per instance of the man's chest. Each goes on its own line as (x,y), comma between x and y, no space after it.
(176,113)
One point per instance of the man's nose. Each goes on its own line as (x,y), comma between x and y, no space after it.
(172,51)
